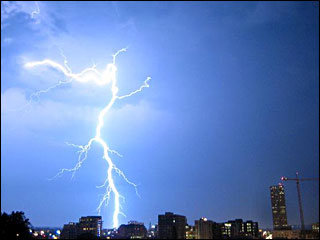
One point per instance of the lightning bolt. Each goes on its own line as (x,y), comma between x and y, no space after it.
(99,78)
(37,11)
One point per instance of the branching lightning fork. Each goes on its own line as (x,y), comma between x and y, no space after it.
(100,78)
(37,11)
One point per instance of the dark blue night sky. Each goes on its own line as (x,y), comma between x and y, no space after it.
(233,105)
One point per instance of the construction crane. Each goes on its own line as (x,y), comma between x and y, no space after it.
(297,180)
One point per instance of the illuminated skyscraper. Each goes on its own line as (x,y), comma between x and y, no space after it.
(278,203)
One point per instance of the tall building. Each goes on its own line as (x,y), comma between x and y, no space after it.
(204,228)
(278,203)
(90,224)
(172,226)
(132,230)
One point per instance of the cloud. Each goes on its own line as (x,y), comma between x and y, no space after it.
(260,13)
(128,24)
(7,10)
(51,115)
(265,12)
(39,16)
(139,113)
(7,40)
(126,124)
(17,114)
(11,8)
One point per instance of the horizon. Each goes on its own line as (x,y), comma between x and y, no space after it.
(308,226)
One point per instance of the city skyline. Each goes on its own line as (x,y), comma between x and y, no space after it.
(233,105)
(170,226)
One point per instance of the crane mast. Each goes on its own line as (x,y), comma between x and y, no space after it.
(297,180)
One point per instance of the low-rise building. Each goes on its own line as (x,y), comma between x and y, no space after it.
(69,231)
(239,229)
(286,234)
(132,230)
(153,231)
(315,227)
(191,232)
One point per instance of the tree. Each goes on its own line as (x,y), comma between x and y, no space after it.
(15,226)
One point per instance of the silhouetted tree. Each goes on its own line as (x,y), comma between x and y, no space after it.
(15,226)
